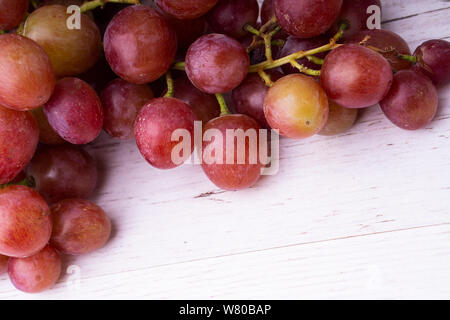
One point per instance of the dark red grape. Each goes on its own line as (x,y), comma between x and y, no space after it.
(71,51)
(356,77)
(234,174)
(154,127)
(230,16)
(122,102)
(140,45)
(99,75)
(46,133)
(26,223)
(354,13)
(75,111)
(26,78)
(433,60)
(249,97)
(186,9)
(205,106)
(297,106)
(19,136)
(386,40)
(340,119)
(412,101)
(294,44)
(267,11)
(3,264)
(306,18)
(63,172)
(12,13)
(188,30)
(79,227)
(36,273)
(216,63)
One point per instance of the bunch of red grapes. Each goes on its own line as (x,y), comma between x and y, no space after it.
(141,70)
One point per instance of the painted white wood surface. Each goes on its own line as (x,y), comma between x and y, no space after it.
(362,215)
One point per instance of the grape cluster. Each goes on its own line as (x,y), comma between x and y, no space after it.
(147,69)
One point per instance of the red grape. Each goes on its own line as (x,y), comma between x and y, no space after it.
(340,119)
(232,175)
(216,63)
(36,273)
(354,13)
(306,18)
(26,223)
(294,44)
(154,128)
(140,45)
(386,40)
(122,102)
(26,78)
(411,102)
(356,77)
(433,60)
(205,106)
(3,264)
(71,51)
(187,30)
(230,16)
(297,106)
(249,97)
(267,11)
(79,227)
(12,12)
(46,133)
(19,136)
(63,172)
(186,9)
(75,111)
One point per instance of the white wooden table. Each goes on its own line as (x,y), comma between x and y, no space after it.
(362,215)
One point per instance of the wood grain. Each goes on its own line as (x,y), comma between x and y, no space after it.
(361,215)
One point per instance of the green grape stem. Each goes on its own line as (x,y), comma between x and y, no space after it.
(170,89)
(223,105)
(28,182)
(91,5)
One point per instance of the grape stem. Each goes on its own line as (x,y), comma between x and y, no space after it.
(266,77)
(169,81)
(315,60)
(304,69)
(181,66)
(91,5)
(407,57)
(35,3)
(223,105)
(28,182)
(2,32)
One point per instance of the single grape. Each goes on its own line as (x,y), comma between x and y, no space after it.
(3,264)
(340,119)
(249,97)
(75,111)
(205,106)
(122,102)
(386,40)
(412,101)
(12,13)
(297,106)
(354,14)
(26,223)
(306,18)
(154,127)
(230,16)
(267,11)
(216,63)
(36,273)
(356,77)
(186,9)
(294,45)
(232,174)
(27,79)
(79,227)
(71,51)
(19,136)
(433,60)
(140,45)
(46,133)
(63,172)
